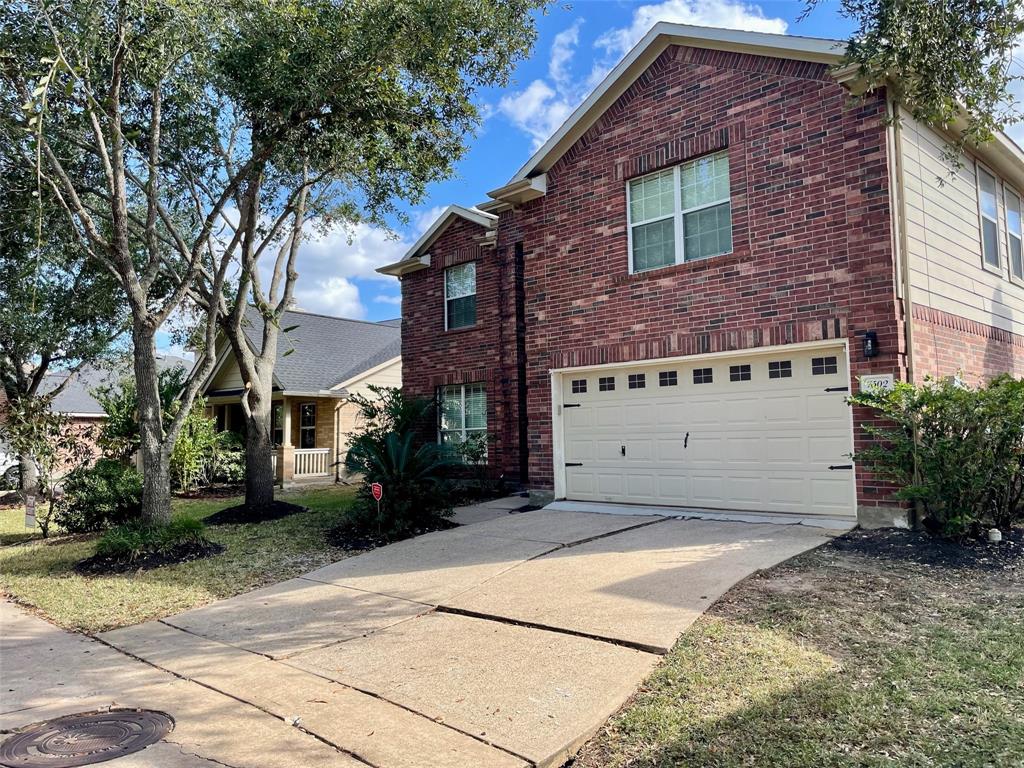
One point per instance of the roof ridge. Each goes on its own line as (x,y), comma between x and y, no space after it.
(335,317)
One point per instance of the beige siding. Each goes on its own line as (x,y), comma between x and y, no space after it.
(228,377)
(944,236)
(389,376)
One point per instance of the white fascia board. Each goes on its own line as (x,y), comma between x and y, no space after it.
(434,231)
(643,54)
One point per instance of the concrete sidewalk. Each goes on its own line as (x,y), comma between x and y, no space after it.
(506,642)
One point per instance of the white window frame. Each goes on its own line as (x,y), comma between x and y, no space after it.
(464,431)
(1009,189)
(678,215)
(978,170)
(444,278)
(311,427)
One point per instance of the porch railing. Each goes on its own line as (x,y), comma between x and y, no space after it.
(312,462)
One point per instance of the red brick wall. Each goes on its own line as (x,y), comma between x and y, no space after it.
(811,228)
(812,254)
(433,357)
(946,345)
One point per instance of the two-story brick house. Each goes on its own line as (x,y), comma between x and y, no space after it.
(669,303)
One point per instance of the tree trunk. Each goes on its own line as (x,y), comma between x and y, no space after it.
(156,478)
(29,476)
(259,468)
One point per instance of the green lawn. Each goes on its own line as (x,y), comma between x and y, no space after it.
(40,573)
(836,659)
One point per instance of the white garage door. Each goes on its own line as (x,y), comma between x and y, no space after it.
(767,432)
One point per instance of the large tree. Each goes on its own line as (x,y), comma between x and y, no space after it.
(59,311)
(206,123)
(953,63)
(378,104)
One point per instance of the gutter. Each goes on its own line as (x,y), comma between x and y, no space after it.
(901,192)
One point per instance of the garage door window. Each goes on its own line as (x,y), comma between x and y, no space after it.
(668,379)
(702,376)
(606,384)
(463,413)
(780,369)
(579,386)
(637,381)
(680,214)
(821,366)
(739,373)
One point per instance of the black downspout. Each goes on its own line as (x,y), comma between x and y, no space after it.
(524,431)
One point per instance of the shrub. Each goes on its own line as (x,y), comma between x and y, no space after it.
(228,463)
(130,541)
(97,497)
(194,451)
(956,451)
(416,489)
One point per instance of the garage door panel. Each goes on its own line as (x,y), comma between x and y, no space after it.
(703,449)
(641,486)
(639,450)
(673,488)
(670,450)
(783,410)
(707,489)
(608,416)
(744,412)
(785,450)
(640,415)
(759,445)
(743,450)
(828,448)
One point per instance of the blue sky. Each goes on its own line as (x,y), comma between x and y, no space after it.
(576,45)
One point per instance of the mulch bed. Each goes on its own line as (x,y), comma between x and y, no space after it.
(349,539)
(185,553)
(214,492)
(925,549)
(242,514)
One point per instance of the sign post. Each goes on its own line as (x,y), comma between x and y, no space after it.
(30,511)
(378,493)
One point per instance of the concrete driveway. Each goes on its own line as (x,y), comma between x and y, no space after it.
(506,642)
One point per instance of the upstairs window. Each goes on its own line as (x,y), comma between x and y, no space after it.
(460,296)
(988,209)
(1014,234)
(680,214)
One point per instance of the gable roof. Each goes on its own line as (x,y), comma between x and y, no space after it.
(77,398)
(416,258)
(1002,150)
(319,352)
(642,55)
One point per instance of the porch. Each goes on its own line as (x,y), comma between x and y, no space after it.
(306,432)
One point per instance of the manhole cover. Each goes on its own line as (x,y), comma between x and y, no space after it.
(84,739)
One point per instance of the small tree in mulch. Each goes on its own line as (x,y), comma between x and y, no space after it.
(956,451)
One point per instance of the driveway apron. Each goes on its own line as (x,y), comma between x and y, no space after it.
(507,642)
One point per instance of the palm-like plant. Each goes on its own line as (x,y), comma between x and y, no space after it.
(385,452)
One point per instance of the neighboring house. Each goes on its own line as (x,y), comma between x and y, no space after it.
(77,400)
(669,303)
(321,362)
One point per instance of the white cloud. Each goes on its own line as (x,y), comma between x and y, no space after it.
(541,108)
(330,296)
(384,298)
(716,13)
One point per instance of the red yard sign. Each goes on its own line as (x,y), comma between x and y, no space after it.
(377,490)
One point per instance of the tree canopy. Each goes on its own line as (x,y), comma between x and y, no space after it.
(952,63)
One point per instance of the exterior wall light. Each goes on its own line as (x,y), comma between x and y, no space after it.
(871,344)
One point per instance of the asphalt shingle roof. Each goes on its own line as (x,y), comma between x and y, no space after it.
(326,350)
(77,396)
